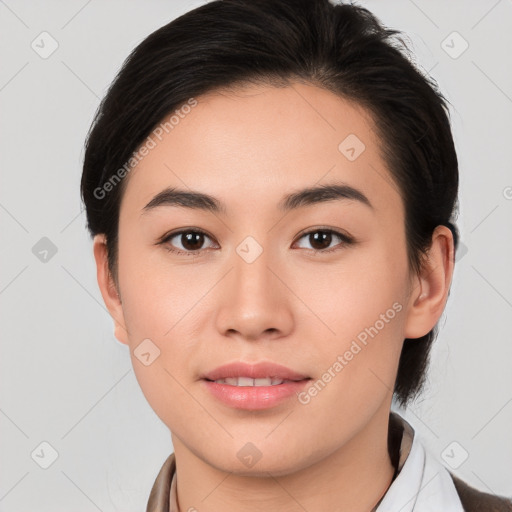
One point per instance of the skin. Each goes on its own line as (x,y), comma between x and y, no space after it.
(249,148)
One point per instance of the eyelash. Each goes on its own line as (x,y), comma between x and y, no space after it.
(346,240)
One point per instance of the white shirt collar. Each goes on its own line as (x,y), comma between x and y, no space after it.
(423,483)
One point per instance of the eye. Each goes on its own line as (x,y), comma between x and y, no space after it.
(321,239)
(191,241)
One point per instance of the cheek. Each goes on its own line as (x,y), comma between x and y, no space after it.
(156,295)
(356,371)
(362,311)
(161,303)
(366,287)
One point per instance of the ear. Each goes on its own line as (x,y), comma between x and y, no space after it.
(108,288)
(430,289)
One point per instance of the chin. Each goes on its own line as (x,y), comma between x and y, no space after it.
(260,466)
(263,469)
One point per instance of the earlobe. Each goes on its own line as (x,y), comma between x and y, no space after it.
(429,296)
(108,288)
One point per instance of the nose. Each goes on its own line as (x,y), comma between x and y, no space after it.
(255,300)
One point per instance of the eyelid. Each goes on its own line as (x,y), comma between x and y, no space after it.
(339,232)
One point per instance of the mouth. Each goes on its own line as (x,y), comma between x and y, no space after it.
(263,373)
(255,394)
(249,382)
(256,386)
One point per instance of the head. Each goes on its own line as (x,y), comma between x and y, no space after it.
(251,102)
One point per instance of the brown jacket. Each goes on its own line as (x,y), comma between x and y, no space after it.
(478,501)
(472,499)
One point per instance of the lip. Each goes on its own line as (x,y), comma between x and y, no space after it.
(254,371)
(254,397)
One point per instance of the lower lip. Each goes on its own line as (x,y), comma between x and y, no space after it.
(254,397)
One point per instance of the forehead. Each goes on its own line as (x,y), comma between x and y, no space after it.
(252,145)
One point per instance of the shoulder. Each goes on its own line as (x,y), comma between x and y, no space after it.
(474,500)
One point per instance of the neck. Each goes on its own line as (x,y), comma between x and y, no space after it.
(353,478)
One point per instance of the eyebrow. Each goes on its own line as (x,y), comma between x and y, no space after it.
(299,199)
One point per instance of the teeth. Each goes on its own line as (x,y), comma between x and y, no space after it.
(247,381)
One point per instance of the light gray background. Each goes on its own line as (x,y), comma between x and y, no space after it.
(66,380)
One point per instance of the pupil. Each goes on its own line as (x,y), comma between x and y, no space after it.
(324,236)
(189,240)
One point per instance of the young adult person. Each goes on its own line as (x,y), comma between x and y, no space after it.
(271,186)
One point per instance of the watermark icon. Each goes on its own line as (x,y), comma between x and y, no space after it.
(249,249)
(249,454)
(44,45)
(454,45)
(351,147)
(44,249)
(146,352)
(507,192)
(343,360)
(151,142)
(44,455)
(454,455)
(462,250)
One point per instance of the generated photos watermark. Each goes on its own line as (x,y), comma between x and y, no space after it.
(344,359)
(151,142)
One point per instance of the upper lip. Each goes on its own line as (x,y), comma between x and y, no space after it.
(254,371)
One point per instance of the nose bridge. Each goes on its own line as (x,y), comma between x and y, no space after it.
(254,300)
(252,278)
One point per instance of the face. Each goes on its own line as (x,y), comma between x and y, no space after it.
(319,285)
